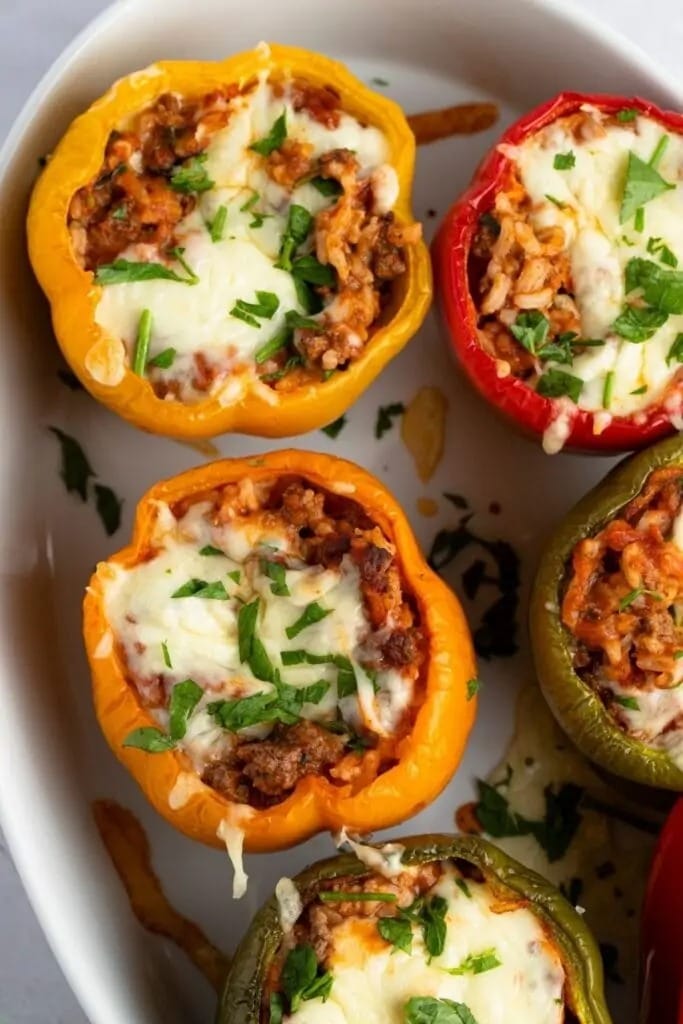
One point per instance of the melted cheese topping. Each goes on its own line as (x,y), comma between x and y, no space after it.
(373,981)
(599,247)
(196,318)
(200,636)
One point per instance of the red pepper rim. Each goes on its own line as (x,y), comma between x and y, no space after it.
(662,925)
(451,249)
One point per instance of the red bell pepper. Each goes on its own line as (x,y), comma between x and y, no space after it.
(662,928)
(511,396)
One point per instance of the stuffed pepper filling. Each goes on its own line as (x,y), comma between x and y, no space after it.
(434,943)
(244,237)
(268,634)
(574,269)
(623,606)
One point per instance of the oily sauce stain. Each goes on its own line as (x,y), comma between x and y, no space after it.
(128,847)
(462,119)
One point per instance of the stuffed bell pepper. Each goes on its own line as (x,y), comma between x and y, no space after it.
(434,930)
(607,619)
(229,245)
(558,274)
(271,656)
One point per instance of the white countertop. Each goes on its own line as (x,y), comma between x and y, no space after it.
(32,33)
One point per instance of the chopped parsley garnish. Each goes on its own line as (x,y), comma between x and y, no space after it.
(675,353)
(251,649)
(659,151)
(430,1010)
(108,506)
(347,683)
(657,247)
(276,572)
(303,323)
(276,1008)
(191,176)
(164,359)
(639,220)
(477,963)
(120,213)
(209,549)
(150,739)
(531,330)
(463,887)
(554,832)
(257,217)
(200,588)
(357,897)
(299,224)
(555,201)
(556,383)
(244,712)
(217,225)
(184,699)
(495,633)
(177,253)
(662,288)
(311,614)
(334,429)
(633,595)
(166,656)
(564,161)
(271,347)
(142,342)
(265,307)
(301,978)
(473,687)
(75,469)
(397,931)
(428,914)
(626,115)
(327,187)
(628,702)
(127,271)
(274,139)
(312,271)
(235,575)
(608,388)
(639,323)
(643,388)
(76,472)
(642,184)
(385,417)
(290,365)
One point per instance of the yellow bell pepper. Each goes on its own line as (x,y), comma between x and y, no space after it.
(100,361)
(422,762)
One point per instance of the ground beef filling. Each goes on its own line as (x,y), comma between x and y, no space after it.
(133,202)
(516,268)
(624,593)
(321,528)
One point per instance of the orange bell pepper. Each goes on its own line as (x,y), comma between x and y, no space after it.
(100,361)
(425,759)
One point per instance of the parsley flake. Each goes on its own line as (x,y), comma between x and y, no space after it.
(385,417)
(274,139)
(564,161)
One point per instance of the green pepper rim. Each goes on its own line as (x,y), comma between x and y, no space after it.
(573,702)
(240,1002)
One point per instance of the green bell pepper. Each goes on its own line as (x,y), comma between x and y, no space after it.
(576,706)
(241,1000)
